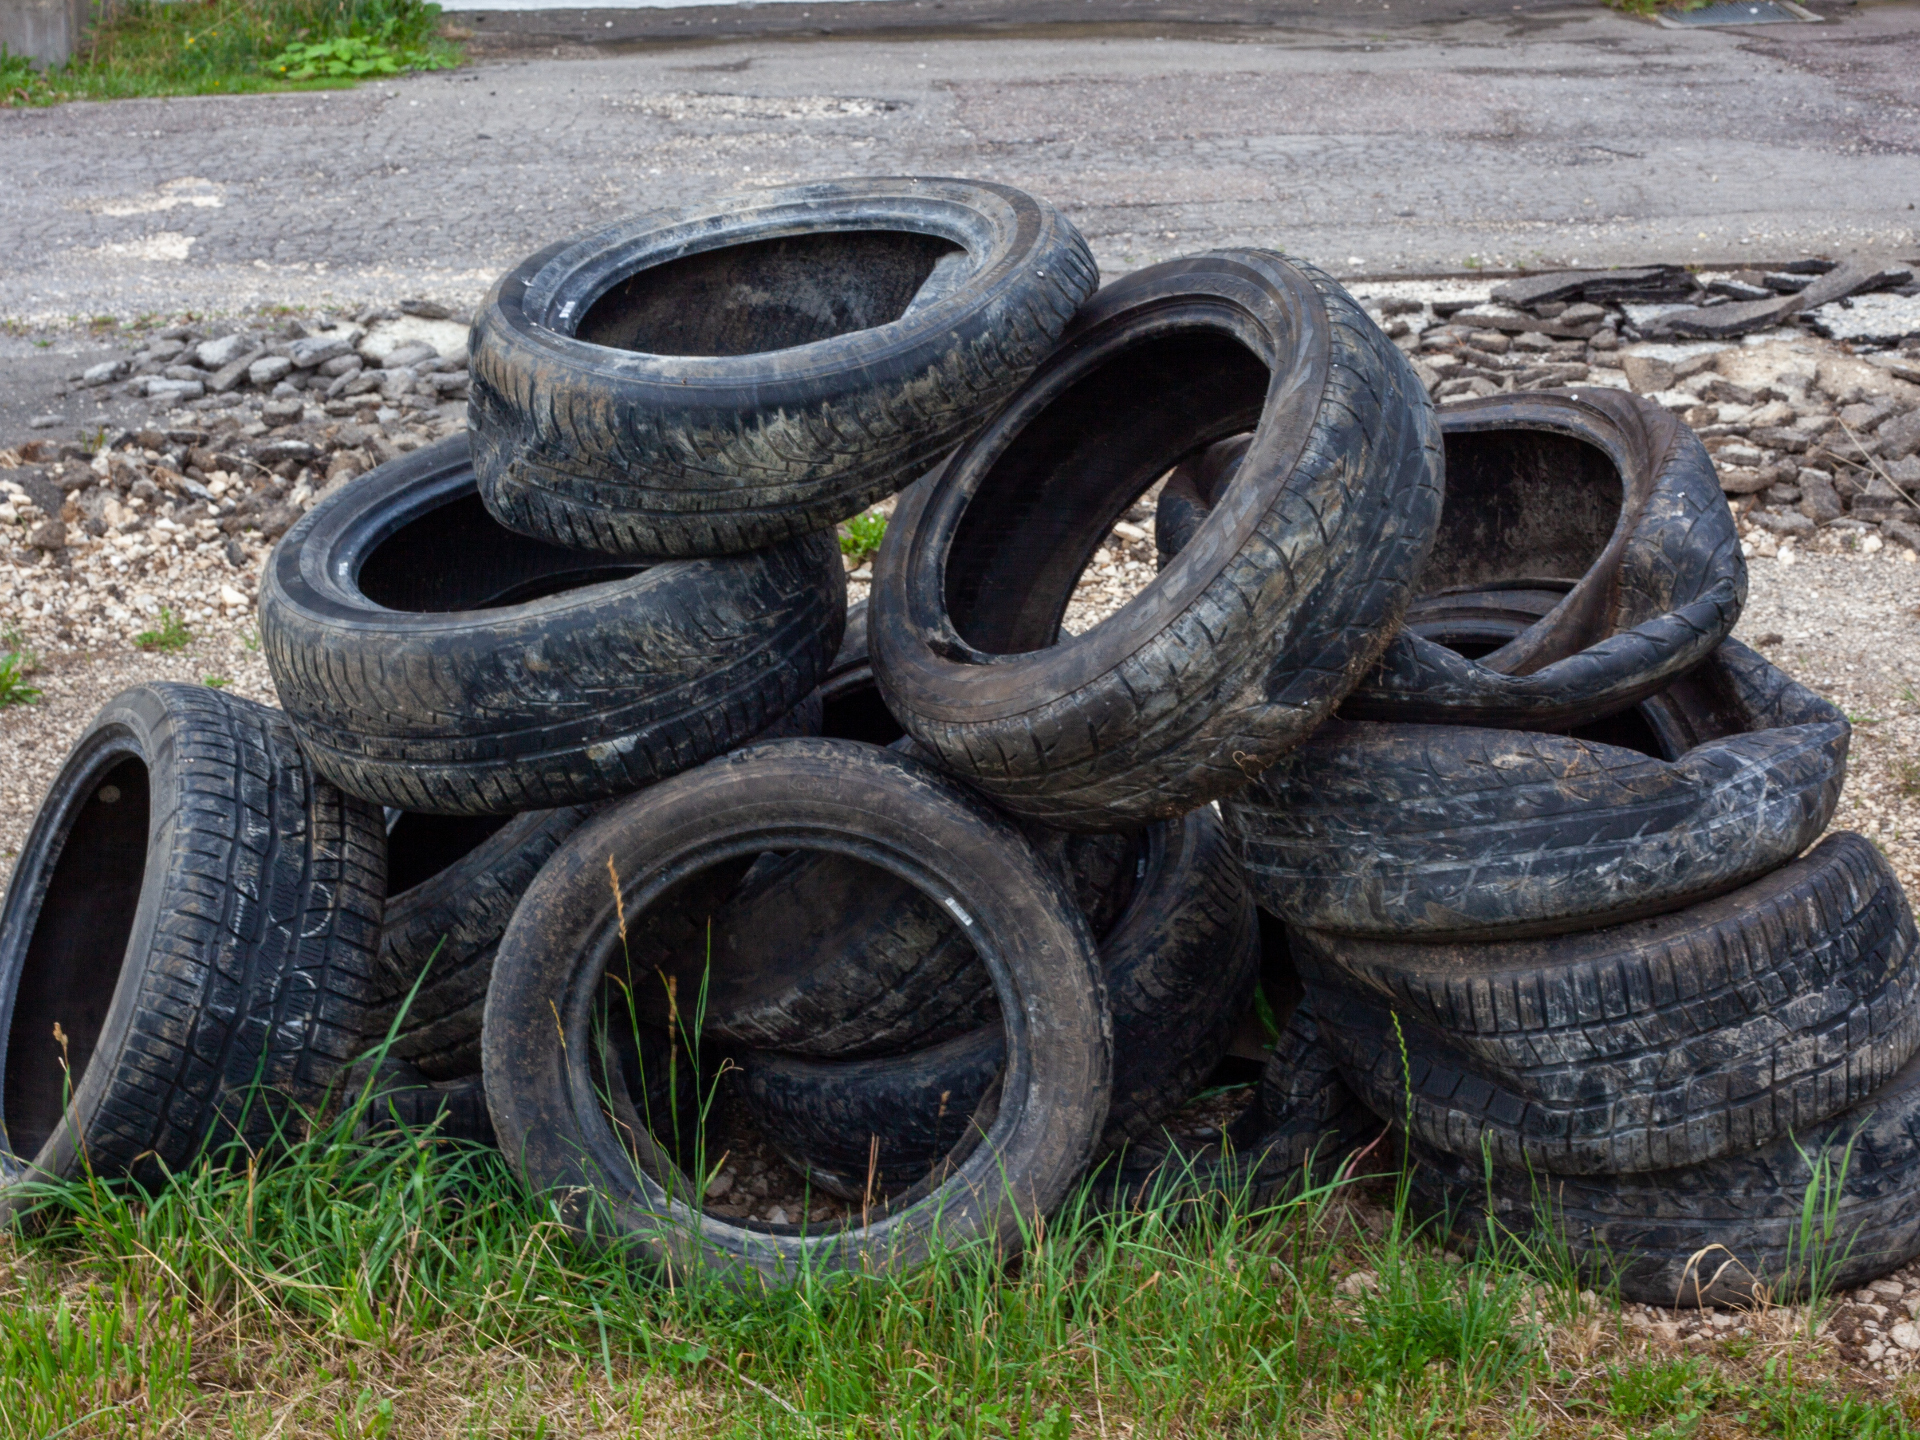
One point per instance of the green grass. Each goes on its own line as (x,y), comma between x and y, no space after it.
(218,47)
(1650,7)
(16,664)
(405,1285)
(860,537)
(172,635)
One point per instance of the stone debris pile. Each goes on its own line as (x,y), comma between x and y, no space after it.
(339,365)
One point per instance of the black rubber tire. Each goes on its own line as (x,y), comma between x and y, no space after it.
(1428,831)
(729,375)
(196,913)
(459,878)
(817,954)
(1665,1042)
(797,794)
(1234,653)
(433,688)
(1729,1232)
(1180,965)
(403,1098)
(1300,1126)
(1604,492)
(820,954)
(1778,1006)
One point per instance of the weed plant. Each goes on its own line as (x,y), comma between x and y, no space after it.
(860,537)
(355,1283)
(170,635)
(212,47)
(15,666)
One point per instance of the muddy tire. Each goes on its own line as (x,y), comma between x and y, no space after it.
(1729,1232)
(1180,964)
(1606,496)
(1760,1015)
(1300,1125)
(453,882)
(728,376)
(1036,1133)
(1232,655)
(1666,1042)
(524,677)
(820,954)
(1429,831)
(402,1098)
(196,913)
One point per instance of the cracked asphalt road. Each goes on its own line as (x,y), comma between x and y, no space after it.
(1550,136)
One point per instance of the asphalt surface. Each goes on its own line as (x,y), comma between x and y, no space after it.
(1448,136)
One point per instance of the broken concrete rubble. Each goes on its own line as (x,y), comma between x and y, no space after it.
(1649,283)
(1719,322)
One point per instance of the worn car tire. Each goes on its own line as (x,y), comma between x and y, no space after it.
(1036,1133)
(726,376)
(1235,652)
(524,677)
(195,913)
(1299,1127)
(1608,495)
(1180,964)
(453,882)
(819,954)
(1661,1043)
(1730,1232)
(401,1097)
(1427,831)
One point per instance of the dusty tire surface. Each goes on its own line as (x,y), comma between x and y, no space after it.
(400,1097)
(1179,964)
(193,910)
(821,954)
(726,376)
(1039,1129)
(1251,637)
(1301,1123)
(1662,1043)
(1428,831)
(1608,498)
(527,677)
(1713,1234)
(452,884)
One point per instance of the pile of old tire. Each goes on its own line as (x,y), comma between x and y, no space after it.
(597,828)
(944,983)
(944,991)
(1548,888)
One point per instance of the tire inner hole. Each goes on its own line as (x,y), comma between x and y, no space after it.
(74,958)
(421,846)
(774,294)
(458,557)
(833,1021)
(1038,535)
